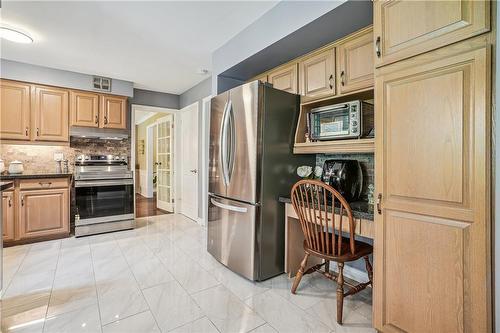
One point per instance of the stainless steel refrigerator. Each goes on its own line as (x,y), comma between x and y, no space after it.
(251,164)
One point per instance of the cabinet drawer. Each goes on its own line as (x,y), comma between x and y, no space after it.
(44,183)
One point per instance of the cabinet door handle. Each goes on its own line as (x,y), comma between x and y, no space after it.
(97,118)
(45,183)
(105,119)
(37,131)
(377,47)
(330,79)
(22,200)
(379,199)
(26,131)
(10,202)
(342,77)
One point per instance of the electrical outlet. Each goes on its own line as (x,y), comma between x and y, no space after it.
(58,156)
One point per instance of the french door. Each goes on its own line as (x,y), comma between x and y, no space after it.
(164,158)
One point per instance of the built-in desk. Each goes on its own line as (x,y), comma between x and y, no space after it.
(294,238)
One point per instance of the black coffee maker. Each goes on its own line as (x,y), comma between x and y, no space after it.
(345,176)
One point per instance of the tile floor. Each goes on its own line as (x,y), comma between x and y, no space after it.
(159,278)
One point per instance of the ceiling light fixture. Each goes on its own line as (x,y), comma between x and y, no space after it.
(15,36)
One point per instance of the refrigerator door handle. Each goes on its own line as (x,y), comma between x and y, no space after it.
(223,145)
(228,207)
(232,140)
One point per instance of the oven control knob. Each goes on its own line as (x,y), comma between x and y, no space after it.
(354,123)
(355,129)
(123,158)
(117,158)
(87,158)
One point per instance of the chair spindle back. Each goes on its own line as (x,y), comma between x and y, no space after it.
(318,219)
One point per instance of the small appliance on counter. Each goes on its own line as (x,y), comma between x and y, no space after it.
(345,176)
(16,167)
(349,120)
(104,194)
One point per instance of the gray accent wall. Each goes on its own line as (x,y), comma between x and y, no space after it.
(155,98)
(345,19)
(20,71)
(196,93)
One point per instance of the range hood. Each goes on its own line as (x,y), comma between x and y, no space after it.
(98,133)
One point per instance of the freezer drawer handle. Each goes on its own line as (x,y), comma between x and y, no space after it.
(229,207)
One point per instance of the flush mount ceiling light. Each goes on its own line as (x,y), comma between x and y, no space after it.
(15,35)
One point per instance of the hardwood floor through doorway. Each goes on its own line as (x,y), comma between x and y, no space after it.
(147,206)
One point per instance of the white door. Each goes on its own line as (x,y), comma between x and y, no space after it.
(164,158)
(188,144)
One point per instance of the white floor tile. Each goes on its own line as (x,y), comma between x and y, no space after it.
(226,311)
(238,285)
(82,320)
(142,322)
(191,276)
(283,315)
(171,306)
(150,272)
(266,328)
(202,325)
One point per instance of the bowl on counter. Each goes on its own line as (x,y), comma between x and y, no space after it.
(16,167)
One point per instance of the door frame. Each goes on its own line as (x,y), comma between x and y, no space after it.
(166,111)
(205,139)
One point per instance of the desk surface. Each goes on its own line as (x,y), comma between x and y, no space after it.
(360,209)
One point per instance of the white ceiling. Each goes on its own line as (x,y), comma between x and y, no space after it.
(157,45)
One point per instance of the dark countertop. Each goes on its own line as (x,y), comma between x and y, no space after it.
(34,175)
(360,209)
(6,185)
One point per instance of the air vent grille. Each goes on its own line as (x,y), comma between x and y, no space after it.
(101,83)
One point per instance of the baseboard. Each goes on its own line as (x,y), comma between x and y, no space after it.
(351,272)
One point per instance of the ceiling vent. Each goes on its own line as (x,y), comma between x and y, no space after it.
(101,83)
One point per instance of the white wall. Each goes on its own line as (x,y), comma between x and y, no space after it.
(280,21)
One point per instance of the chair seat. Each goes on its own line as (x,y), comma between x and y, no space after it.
(362,249)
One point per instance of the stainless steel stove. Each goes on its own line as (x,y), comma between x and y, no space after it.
(104,194)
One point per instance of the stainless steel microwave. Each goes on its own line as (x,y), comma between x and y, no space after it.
(341,121)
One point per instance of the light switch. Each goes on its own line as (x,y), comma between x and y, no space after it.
(58,156)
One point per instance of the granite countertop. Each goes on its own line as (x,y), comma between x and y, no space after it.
(360,209)
(34,175)
(6,185)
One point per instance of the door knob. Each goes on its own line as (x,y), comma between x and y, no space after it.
(194,171)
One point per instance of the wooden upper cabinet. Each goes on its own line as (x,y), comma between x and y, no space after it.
(8,215)
(15,110)
(284,78)
(113,112)
(263,78)
(84,109)
(35,220)
(406,28)
(355,63)
(51,113)
(432,167)
(317,74)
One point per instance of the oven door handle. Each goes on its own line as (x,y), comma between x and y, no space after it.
(107,182)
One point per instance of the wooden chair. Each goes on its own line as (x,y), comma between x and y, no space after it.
(311,201)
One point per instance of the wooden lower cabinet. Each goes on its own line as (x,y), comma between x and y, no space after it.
(43,212)
(8,215)
(432,162)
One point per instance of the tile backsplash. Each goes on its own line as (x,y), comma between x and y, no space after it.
(40,158)
(367,167)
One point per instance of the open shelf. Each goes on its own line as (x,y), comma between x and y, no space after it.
(337,146)
(364,145)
